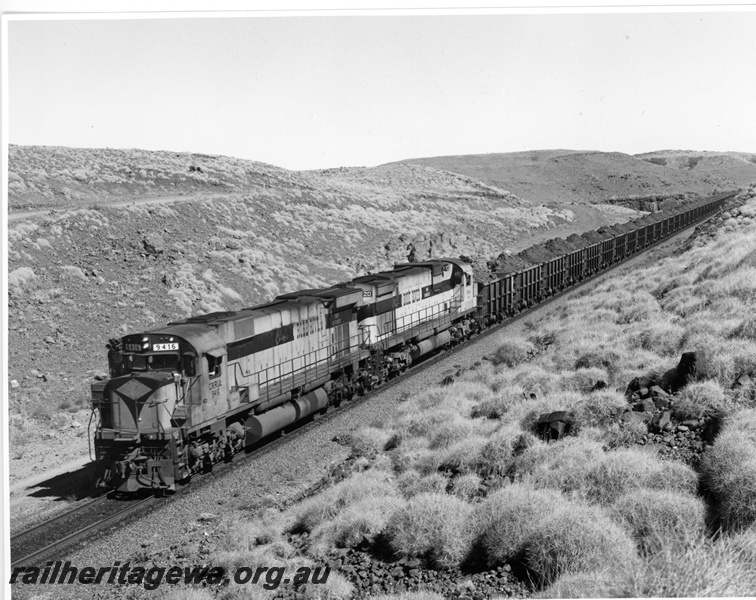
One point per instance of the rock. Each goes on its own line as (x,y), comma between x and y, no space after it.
(682,428)
(691,423)
(153,244)
(692,366)
(637,383)
(657,391)
(661,402)
(75,425)
(553,426)
(100,376)
(14,384)
(49,340)
(206,516)
(662,420)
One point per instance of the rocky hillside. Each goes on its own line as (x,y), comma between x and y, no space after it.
(738,167)
(563,176)
(136,239)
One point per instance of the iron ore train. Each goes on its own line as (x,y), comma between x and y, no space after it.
(185,396)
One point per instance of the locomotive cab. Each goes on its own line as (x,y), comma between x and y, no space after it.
(154,390)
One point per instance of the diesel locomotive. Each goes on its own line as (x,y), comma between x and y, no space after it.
(187,395)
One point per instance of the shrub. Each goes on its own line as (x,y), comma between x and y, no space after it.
(575,538)
(336,587)
(579,466)
(365,517)
(656,518)
(411,483)
(435,526)
(582,380)
(327,505)
(513,352)
(593,584)
(461,457)
(660,336)
(746,329)
(562,465)
(368,441)
(506,519)
(722,569)
(698,399)
(624,470)
(729,469)
(622,435)
(495,456)
(466,486)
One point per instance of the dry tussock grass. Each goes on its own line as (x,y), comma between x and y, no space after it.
(435,526)
(656,518)
(729,468)
(507,518)
(326,506)
(367,516)
(576,538)
(704,569)
(581,468)
(700,398)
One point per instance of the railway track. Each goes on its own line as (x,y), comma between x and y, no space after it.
(33,545)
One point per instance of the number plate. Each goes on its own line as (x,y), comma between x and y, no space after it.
(133,348)
(163,347)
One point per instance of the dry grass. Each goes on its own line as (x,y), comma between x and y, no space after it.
(345,530)
(513,352)
(592,584)
(576,538)
(326,506)
(658,518)
(729,469)
(507,518)
(701,398)
(580,467)
(433,525)
(704,569)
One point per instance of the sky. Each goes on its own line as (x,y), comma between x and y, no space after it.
(360,89)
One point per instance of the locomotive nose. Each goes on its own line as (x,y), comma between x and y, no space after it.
(145,402)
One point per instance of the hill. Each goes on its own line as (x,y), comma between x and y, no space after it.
(563,176)
(738,167)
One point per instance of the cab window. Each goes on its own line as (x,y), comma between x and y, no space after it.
(213,365)
(187,362)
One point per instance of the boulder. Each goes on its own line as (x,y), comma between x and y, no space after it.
(553,426)
(692,366)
